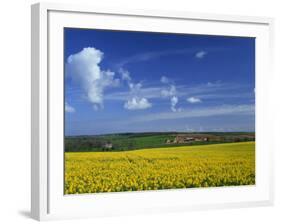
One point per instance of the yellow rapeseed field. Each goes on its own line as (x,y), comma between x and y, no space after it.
(226,164)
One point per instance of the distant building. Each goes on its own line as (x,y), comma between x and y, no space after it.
(108,146)
(168,141)
(181,139)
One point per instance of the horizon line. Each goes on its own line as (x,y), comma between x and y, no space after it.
(162,132)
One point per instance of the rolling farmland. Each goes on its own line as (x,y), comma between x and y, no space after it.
(133,141)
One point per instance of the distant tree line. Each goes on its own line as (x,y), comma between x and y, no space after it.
(86,144)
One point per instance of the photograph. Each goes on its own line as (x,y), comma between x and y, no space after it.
(157,111)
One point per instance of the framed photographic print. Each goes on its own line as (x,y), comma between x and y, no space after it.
(148,111)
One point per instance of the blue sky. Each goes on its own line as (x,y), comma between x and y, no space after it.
(119,81)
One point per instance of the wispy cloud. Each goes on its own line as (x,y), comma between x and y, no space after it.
(174,102)
(200,54)
(68,108)
(135,101)
(147,56)
(125,75)
(243,109)
(208,90)
(84,69)
(170,92)
(164,80)
(147,92)
(217,96)
(194,100)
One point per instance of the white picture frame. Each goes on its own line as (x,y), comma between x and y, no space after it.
(47,198)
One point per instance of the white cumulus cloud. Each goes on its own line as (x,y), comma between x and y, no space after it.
(137,104)
(194,100)
(83,67)
(68,108)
